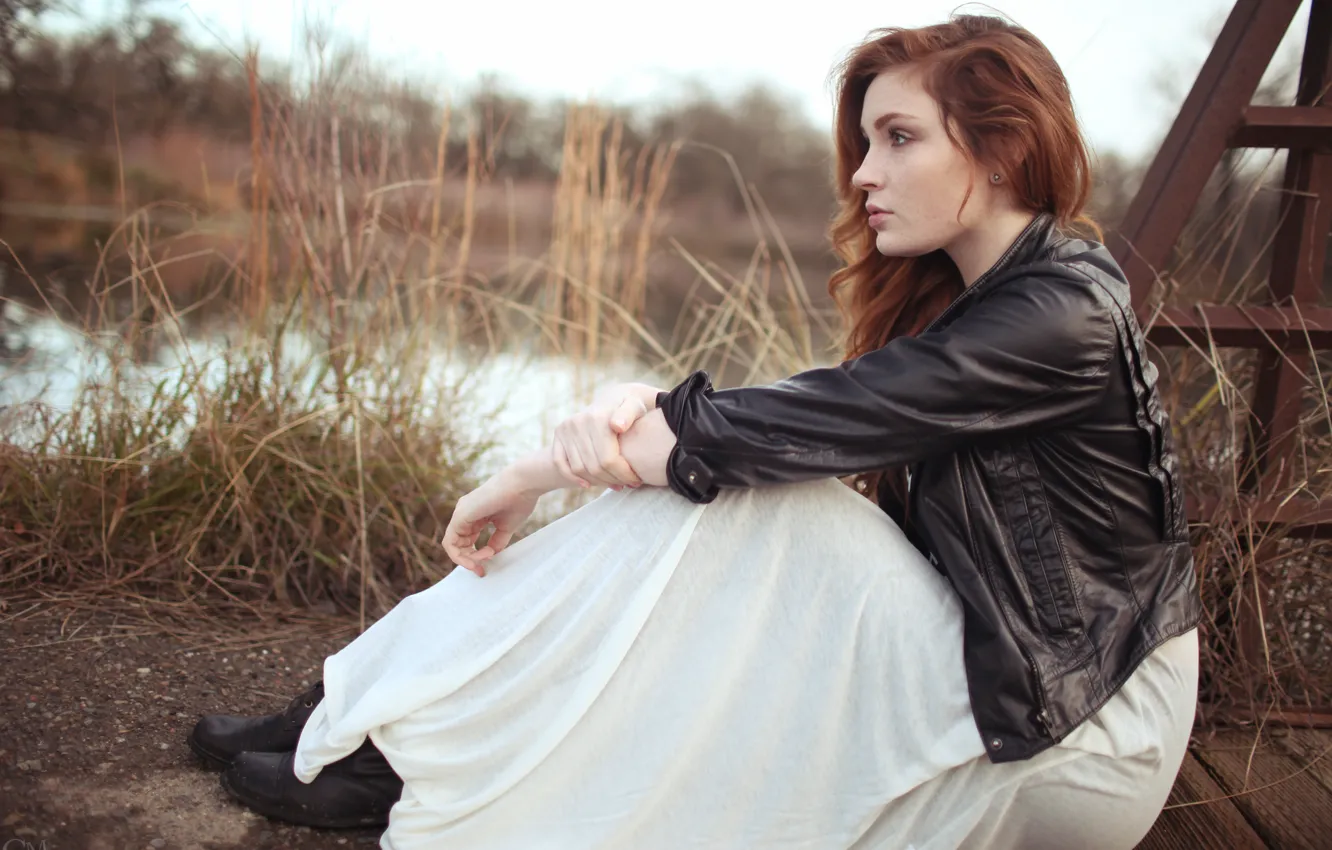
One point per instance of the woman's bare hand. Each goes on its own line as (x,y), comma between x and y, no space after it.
(586,449)
(505,502)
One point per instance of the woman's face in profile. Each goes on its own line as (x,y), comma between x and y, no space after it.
(913,172)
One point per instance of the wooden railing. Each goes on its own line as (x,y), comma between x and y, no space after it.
(1288,325)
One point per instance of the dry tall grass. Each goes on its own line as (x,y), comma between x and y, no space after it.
(1224,258)
(312,456)
(315,458)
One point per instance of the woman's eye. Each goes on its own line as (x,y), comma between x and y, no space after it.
(897,137)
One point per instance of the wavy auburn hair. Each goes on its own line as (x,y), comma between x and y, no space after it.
(1005,104)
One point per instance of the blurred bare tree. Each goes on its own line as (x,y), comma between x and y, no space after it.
(774,145)
(140,78)
(17,21)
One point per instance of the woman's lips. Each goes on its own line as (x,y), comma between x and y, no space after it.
(878,218)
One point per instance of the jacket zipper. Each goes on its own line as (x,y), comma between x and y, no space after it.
(1043,716)
(993,270)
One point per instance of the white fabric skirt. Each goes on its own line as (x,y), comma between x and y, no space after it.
(779,668)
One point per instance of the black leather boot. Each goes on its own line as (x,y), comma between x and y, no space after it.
(219,738)
(357,791)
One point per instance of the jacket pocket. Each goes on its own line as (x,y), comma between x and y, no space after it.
(1038,558)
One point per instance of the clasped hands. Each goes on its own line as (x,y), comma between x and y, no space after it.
(586,448)
(585,452)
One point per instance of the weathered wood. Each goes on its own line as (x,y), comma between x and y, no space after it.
(1288,807)
(1297,127)
(1298,255)
(1213,823)
(1214,107)
(1320,717)
(1232,326)
(1312,748)
(1301,517)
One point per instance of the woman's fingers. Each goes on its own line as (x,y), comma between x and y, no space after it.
(598,446)
(457,550)
(474,560)
(611,460)
(455,539)
(460,538)
(498,541)
(624,473)
(587,447)
(479,558)
(560,455)
(590,443)
(629,411)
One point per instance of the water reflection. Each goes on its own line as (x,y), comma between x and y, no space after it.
(512,400)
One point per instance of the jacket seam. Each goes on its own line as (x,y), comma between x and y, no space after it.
(1104,368)
(1040,559)
(1175,525)
(1183,574)
(1135,660)
(1063,561)
(1006,609)
(1119,544)
(1002,264)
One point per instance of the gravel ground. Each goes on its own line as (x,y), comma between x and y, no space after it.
(94,710)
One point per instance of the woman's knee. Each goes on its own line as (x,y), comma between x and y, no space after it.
(1092,803)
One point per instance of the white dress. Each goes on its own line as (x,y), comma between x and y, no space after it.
(777,669)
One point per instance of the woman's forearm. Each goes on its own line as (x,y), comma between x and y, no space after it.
(535,473)
(646,447)
(645,393)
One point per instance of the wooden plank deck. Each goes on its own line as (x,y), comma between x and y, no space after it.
(1241,791)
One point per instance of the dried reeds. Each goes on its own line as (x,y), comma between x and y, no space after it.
(311,457)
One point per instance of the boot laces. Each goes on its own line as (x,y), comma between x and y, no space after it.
(305,700)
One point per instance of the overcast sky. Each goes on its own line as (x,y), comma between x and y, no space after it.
(1115,52)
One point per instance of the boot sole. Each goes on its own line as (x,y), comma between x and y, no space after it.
(212,758)
(209,758)
(276,811)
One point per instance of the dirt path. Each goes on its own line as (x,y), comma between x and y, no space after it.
(93,717)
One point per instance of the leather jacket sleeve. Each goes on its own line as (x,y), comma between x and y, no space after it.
(1032,353)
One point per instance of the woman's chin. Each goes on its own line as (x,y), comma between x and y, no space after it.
(892,245)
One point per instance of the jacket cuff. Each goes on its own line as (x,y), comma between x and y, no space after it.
(686,474)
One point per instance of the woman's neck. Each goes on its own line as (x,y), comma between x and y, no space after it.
(976,251)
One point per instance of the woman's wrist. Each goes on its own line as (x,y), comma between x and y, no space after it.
(645,393)
(534,474)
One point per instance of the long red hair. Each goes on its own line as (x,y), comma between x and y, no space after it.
(1005,103)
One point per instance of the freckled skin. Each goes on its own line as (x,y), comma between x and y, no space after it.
(914,171)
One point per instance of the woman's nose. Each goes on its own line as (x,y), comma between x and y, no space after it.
(863,181)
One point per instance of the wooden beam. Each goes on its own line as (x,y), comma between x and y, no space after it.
(1215,105)
(1298,255)
(1296,718)
(1310,746)
(1244,326)
(1198,814)
(1296,127)
(1287,806)
(1300,517)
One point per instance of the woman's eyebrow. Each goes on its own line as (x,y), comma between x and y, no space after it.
(889,116)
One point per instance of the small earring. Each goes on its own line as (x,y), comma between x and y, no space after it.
(995,178)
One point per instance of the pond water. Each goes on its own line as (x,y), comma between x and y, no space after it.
(513,399)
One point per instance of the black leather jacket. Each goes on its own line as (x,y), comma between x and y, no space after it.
(1044,484)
